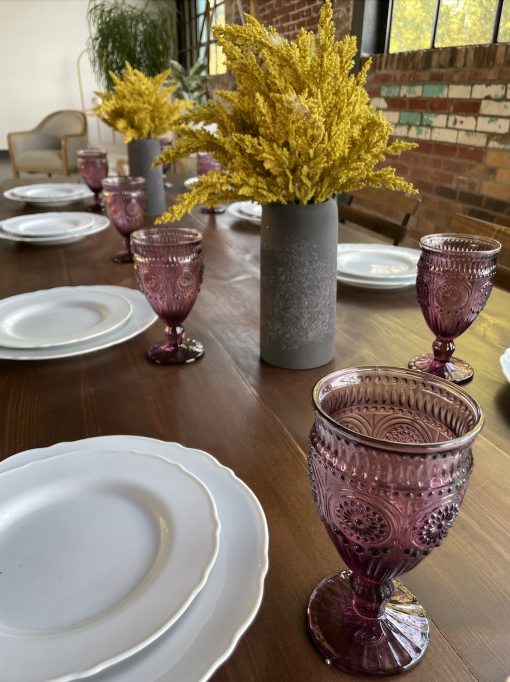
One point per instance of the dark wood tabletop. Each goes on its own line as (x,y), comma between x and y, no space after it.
(255,419)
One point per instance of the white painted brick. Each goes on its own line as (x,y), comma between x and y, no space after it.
(481,91)
(444,135)
(508,91)
(462,122)
(400,131)
(472,139)
(419,133)
(491,108)
(392,116)
(411,90)
(459,91)
(379,103)
(435,120)
(493,124)
(497,143)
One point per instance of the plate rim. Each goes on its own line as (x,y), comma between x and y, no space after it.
(232,210)
(402,251)
(40,216)
(87,231)
(37,185)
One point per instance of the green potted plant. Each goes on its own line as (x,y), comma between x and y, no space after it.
(191,85)
(298,129)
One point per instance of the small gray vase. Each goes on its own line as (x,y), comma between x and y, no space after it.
(141,156)
(298,284)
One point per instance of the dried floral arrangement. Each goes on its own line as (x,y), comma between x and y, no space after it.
(139,106)
(298,128)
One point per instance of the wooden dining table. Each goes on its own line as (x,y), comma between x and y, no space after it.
(255,419)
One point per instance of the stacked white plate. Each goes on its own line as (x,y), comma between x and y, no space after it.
(67,321)
(505,363)
(114,567)
(248,210)
(52,228)
(49,194)
(377,266)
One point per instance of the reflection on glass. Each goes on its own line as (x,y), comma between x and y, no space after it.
(465,22)
(504,26)
(411,27)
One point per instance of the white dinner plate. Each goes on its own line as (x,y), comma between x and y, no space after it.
(251,209)
(48,224)
(98,224)
(377,283)
(49,191)
(505,363)
(207,633)
(140,319)
(60,316)
(84,193)
(189,182)
(376,261)
(236,209)
(100,553)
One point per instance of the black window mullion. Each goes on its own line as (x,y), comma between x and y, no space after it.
(435,22)
(497,21)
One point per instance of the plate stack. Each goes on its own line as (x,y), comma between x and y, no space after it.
(376,266)
(248,210)
(49,194)
(45,229)
(125,559)
(67,321)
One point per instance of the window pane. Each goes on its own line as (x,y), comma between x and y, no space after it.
(504,26)
(411,26)
(216,57)
(465,22)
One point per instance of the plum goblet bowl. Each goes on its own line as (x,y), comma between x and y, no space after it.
(389,463)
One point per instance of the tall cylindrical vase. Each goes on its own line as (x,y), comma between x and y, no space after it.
(298,284)
(141,155)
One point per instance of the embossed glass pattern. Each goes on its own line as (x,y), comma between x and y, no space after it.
(126,205)
(455,278)
(389,463)
(169,267)
(93,167)
(205,164)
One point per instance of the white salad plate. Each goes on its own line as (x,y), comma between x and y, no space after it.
(100,553)
(141,318)
(376,261)
(207,633)
(241,209)
(505,363)
(189,182)
(60,316)
(48,197)
(98,223)
(251,209)
(377,283)
(48,224)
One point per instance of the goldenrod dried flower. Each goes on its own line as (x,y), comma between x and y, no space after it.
(139,106)
(299,128)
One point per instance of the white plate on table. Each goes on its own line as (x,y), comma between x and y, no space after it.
(505,363)
(241,209)
(207,633)
(100,553)
(48,224)
(140,319)
(98,224)
(70,197)
(189,182)
(376,261)
(60,316)
(377,283)
(49,191)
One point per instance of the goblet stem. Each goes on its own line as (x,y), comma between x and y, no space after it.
(97,206)
(176,350)
(370,599)
(443,349)
(174,334)
(124,256)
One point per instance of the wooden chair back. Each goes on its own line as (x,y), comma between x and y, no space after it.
(385,199)
(464,224)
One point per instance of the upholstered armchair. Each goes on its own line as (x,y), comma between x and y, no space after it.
(50,147)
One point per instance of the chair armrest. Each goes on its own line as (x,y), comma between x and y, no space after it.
(70,145)
(30,141)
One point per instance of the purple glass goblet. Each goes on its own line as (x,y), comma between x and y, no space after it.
(125,203)
(169,267)
(455,277)
(93,167)
(205,164)
(164,144)
(389,463)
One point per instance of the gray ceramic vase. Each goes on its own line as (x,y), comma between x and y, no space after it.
(298,284)
(141,156)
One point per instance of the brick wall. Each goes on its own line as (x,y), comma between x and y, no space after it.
(455,103)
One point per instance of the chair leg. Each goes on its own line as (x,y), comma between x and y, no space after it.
(15,172)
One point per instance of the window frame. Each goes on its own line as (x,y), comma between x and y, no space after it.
(193,33)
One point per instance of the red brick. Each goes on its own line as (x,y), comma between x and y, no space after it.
(373,90)
(405,77)
(505,74)
(417,103)
(490,56)
(460,76)
(418,173)
(452,57)
(396,102)
(430,161)
(466,106)
(454,166)
(502,220)
(469,184)
(480,56)
(441,178)
(411,156)
(471,154)
(424,186)
(440,104)
(425,147)
(383,77)
(486,74)
(436,76)
(400,168)
(445,149)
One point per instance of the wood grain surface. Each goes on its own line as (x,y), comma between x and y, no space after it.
(255,419)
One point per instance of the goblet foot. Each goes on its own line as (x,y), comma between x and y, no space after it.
(454,370)
(375,647)
(95,208)
(168,354)
(212,209)
(123,257)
